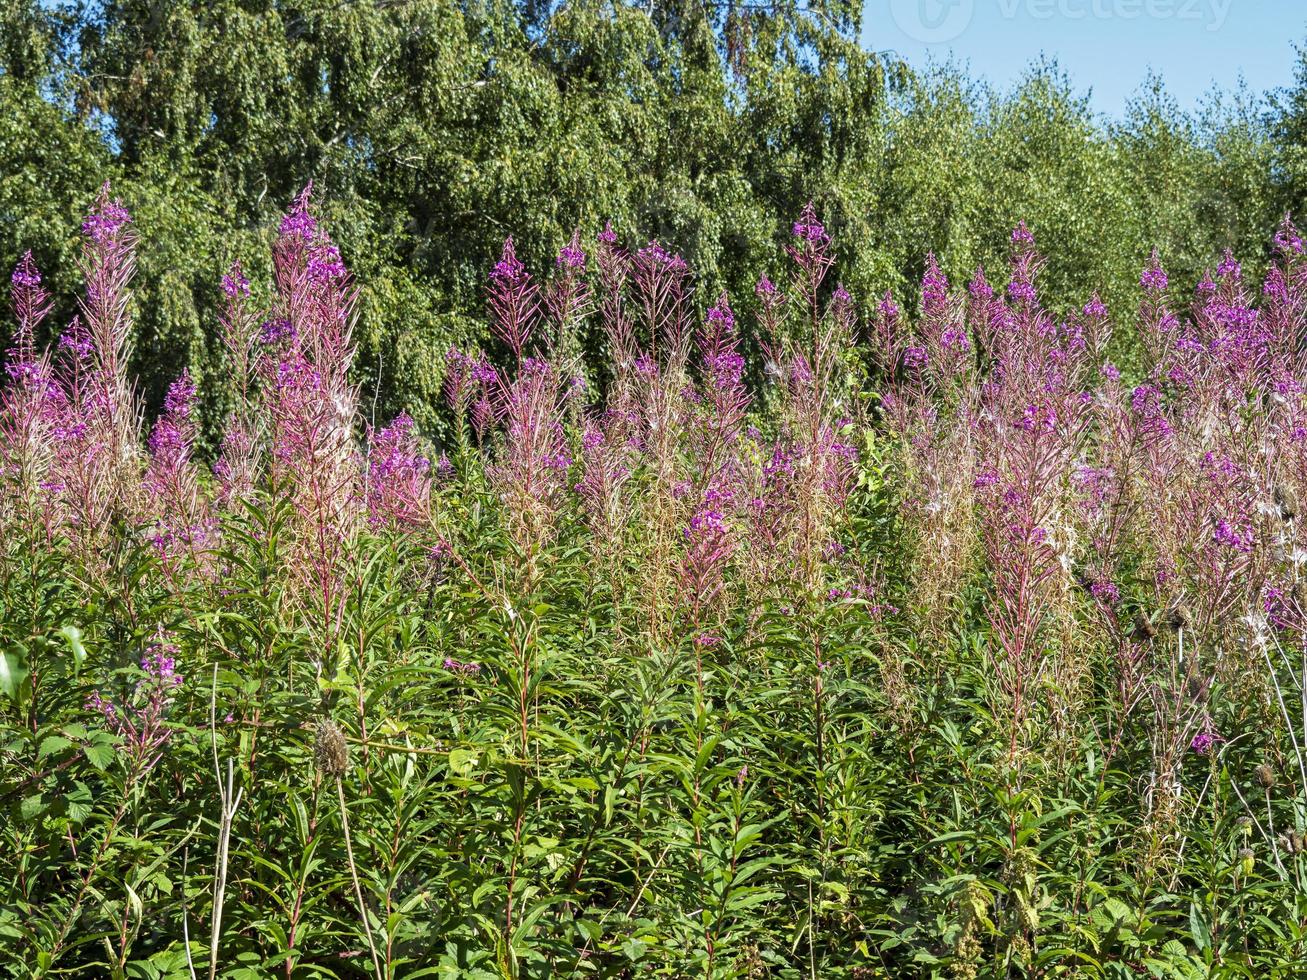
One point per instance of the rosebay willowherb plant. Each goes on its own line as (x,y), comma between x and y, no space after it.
(950,648)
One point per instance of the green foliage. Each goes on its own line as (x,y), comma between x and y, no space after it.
(629,823)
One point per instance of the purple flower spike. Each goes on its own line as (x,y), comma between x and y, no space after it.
(1154,277)
(809,229)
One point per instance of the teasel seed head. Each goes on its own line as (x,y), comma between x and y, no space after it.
(330,751)
(1265,776)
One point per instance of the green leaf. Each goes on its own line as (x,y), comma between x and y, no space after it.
(100,751)
(73,636)
(13,674)
(462,761)
(52,744)
(1198,928)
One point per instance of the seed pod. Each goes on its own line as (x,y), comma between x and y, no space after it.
(1265,776)
(330,751)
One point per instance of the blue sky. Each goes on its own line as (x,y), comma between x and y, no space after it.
(1108,47)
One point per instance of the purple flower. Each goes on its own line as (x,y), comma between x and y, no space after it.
(513,300)
(808,228)
(141,724)
(25,274)
(570,256)
(1205,741)
(107,218)
(1154,277)
(979,288)
(934,288)
(952,339)
(298,223)
(324,264)
(508,270)
(102,706)
(1105,592)
(1039,417)
(1229,267)
(721,316)
(653,256)
(234,283)
(1275,287)
(1233,536)
(1021,290)
(276,330)
(399,488)
(705,522)
(181,396)
(160,666)
(77,341)
(1287,239)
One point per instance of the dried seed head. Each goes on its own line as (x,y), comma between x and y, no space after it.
(330,752)
(1265,776)
(1287,501)
(1179,617)
(1144,628)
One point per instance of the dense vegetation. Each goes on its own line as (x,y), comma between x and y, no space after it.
(945,652)
(752,601)
(433,129)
